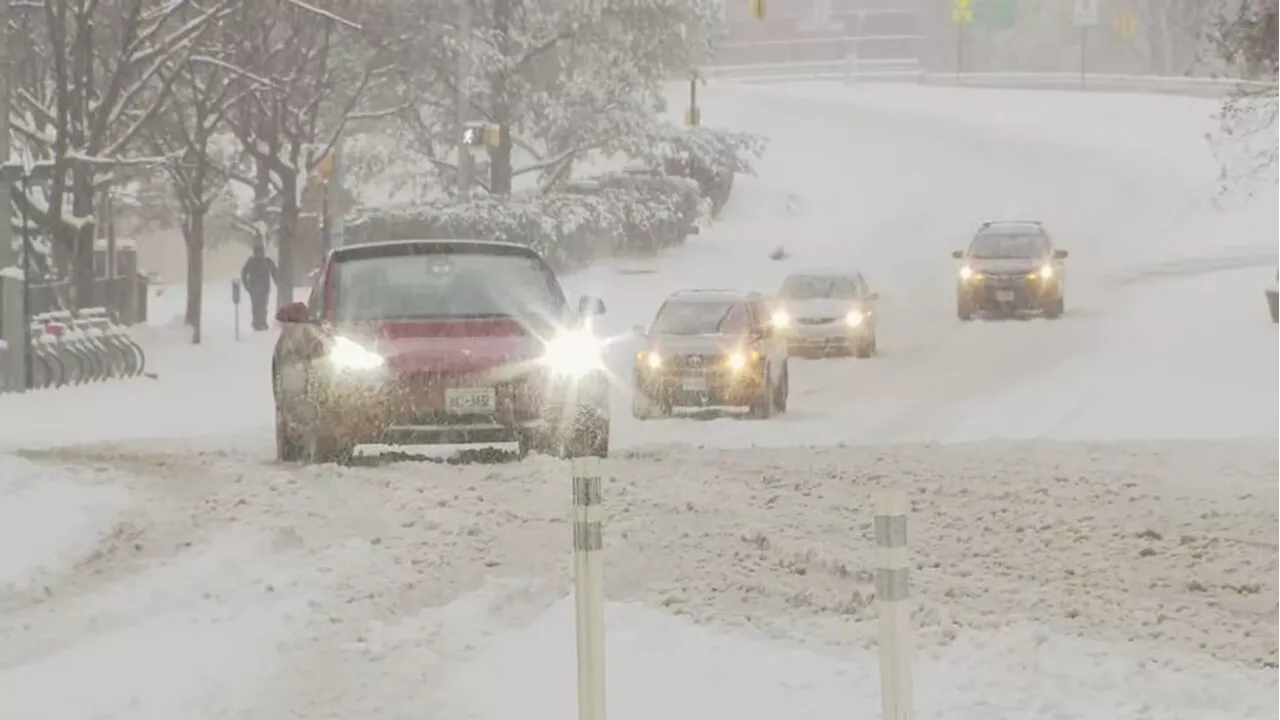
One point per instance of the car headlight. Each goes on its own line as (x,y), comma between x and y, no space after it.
(347,354)
(854,318)
(652,359)
(1046,272)
(967,273)
(781,319)
(574,353)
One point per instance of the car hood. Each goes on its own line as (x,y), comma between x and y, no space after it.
(1006,265)
(693,344)
(816,307)
(450,346)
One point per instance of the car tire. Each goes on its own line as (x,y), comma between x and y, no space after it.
(322,448)
(964,311)
(1273,306)
(642,406)
(763,406)
(783,392)
(865,347)
(1054,309)
(288,447)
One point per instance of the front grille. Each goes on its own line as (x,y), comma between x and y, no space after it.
(817,321)
(695,362)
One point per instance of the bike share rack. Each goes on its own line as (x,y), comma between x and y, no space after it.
(82,347)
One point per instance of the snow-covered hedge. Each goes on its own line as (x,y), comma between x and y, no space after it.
(709,156)
(609,216)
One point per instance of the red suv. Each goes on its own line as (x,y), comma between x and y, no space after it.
(438,341)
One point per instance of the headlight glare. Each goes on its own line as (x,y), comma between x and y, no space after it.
(737,361)
(967,273)
(574,353)
(1046,272)
(854,318)
(652,359)
(781,319)
(347,354)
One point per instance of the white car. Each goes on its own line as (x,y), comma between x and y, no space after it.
(826,313)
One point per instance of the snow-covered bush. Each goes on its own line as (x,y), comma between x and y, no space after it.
(609,216)
(709,156)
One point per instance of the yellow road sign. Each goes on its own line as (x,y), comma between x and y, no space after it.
(1125,24)
(961,12)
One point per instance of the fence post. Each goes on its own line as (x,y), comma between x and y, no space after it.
(13,329)
(588,581)
(893,592)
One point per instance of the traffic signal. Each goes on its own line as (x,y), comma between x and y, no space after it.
(756,8)
(478,134)
(324,169)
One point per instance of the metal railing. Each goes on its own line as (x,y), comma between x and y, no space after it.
(76,348)
(906,71)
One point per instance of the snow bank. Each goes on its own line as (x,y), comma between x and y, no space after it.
(665,667)
(1052,579)
(1152,153)
(51,518)
(188,638)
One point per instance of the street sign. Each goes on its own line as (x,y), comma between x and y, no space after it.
(1086,13)
(961,12)
(1125,24)
(997,14)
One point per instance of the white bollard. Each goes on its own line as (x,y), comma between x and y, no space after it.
(893,592)
(588,586)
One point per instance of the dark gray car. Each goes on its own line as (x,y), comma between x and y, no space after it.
(1010,268)
(711,349)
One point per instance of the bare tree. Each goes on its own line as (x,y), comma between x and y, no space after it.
(1245,38)
(298,96)
(559,81)
(202,87)
(93,83)
(1171,33)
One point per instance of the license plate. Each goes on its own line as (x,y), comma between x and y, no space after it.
(695,384)
(470,401)
(1004,295)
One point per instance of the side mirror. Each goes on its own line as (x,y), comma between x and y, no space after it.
(588,305)
(1059,254)
(293,314)
(957,254)
(874,296)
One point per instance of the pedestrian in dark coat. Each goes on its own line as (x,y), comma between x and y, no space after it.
(257,276)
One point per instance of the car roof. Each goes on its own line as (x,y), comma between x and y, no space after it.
(1001,227)
(820,273)
(714,295)
(384,248)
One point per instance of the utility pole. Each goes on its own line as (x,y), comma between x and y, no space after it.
(7,256)
(13,290)
(465,160)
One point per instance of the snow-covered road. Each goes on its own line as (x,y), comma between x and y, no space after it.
(1094,498)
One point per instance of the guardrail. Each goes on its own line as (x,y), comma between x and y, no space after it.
(871,71)
(77,348)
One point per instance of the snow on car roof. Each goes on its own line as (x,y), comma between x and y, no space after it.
(821,273)
(712,295)
(405,247)
(996,227)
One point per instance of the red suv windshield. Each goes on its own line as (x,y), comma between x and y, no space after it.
(444,286)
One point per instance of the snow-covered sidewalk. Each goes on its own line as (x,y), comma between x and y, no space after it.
(1053,580)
